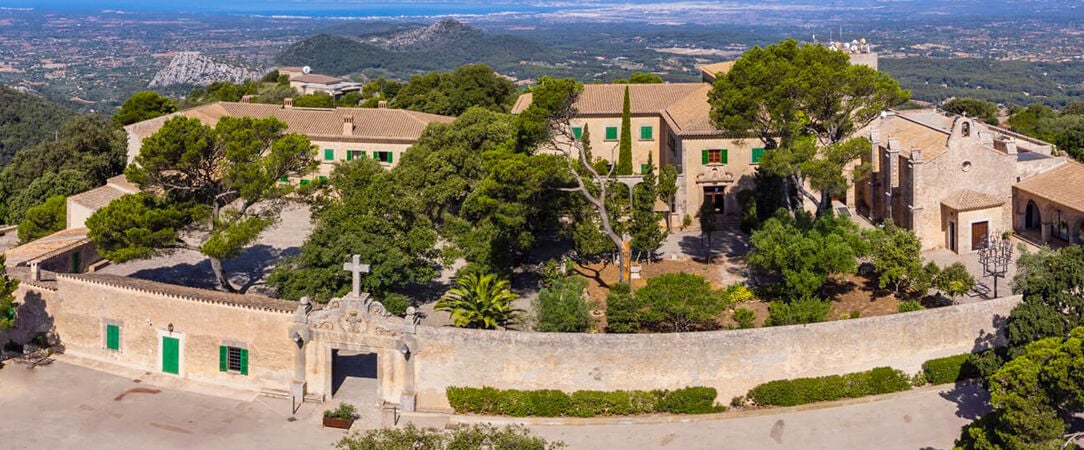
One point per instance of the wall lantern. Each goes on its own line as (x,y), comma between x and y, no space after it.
(170,327)
(405,351)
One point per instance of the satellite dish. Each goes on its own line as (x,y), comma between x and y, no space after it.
(305,70)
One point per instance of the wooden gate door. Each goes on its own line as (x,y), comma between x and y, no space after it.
(979,231)
(171,353)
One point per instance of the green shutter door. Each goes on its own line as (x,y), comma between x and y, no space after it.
(722,156)
(223,358)
(646,133)
(349,155)
(244,361)
(171,355)
(112,337)
(611,133)
(704,157)
(577,131)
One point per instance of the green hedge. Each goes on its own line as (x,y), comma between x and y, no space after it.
(949,369)
(551,403)
(800,391)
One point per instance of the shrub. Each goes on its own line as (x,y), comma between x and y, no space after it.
(986,363)
(622,310)
(345,411)
(910,305)
(679,302)
(806,310)
(739,293)
(949,369)
(745,318)
(474,436)
(561,307)
(397,303)
(551,403)
(881,380)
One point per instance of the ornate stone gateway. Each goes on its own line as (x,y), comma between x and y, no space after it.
(354,323)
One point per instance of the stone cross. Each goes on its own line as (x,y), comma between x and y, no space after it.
(357,268)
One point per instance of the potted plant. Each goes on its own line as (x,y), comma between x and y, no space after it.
(341,417)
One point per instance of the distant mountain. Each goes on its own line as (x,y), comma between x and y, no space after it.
(194,69)
(25,120)
(444,45)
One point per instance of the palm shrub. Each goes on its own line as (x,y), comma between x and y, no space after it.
(480,300)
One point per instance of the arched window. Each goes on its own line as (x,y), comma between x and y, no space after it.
(965,130)
(1061,226)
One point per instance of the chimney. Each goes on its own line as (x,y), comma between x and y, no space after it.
(287,102)
(348,125)
(383,104)
(247,98)
(1010,146)
(916,155)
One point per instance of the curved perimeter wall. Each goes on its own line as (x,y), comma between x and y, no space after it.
(730,361)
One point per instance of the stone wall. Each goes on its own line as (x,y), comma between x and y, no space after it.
(84,306)
(730,361)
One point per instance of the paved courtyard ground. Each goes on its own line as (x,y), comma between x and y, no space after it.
(64,406)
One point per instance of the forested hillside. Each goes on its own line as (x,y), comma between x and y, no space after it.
(26,120)
(439,47)
(1007,82)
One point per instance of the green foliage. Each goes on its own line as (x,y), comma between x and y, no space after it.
(623,312)
(1066,131)
(624,155)
(367,213)
(1051,282)
(551,403)
(805,255)
(800,391)
(452,93)
(1034,396)
(955,280)
(561,307)
(143,105)
(896,254)
(480,301)
(25,121)
(949,369)
(44,219)
(935,79)
(272,76)
(644,229)
(396,303)
(746,318)
(641,78)
(970,107)
(344,411)
(7,297)
(677,302)
(910,306)
(805,310)
(224,180)
(986,363)
(221,91)
(512,437)
(315,100)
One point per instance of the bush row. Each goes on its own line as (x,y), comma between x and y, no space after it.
(553,403)
(800,391)
(950,369)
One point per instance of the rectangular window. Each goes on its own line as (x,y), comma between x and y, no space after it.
(578,132)
(647,133)
(233,359)
(329,154)
(611,133)
(112,337)
(643,168)
(354,154)
(714,156)
(758,153)
(384,157)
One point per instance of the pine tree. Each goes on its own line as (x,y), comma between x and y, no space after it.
(624,157)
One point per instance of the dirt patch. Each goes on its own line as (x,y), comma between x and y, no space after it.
(139,390)
(854,293)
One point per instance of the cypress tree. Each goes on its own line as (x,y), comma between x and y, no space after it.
(624,157)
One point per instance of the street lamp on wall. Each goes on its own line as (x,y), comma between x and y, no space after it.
(405,351)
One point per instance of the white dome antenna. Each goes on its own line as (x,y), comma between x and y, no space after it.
(306,70)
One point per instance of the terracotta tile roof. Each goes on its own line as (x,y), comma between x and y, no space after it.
(1063,184)
(968,200)
(691,115)
(46,246)
(121,183)
(913,134)
(98,197)
(711,71)
(190,293)
(380,124)
(316,78)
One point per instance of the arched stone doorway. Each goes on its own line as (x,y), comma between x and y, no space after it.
(1032,217)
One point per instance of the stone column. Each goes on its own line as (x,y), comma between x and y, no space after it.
(1047,229)
(408,400)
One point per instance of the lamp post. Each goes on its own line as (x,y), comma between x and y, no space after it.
(995,256)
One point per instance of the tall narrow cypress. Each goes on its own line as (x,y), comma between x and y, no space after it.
(624,157)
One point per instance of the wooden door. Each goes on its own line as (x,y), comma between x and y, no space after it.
(171,355)
(979,231)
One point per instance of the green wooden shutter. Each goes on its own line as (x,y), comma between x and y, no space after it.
(171,353)
(704,157)
(329,154)
(611,133)
(363,154)
(758,153)
(112,337)
(646,133)
(223,358)
(643,168)
(577,131)
(244,361)
(722,156)
(349,155)
(391,157)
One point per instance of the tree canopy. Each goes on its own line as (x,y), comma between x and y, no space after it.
(7,297)
(222,183)
(970,107)
(143,105)
(452,93)
(44,219)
